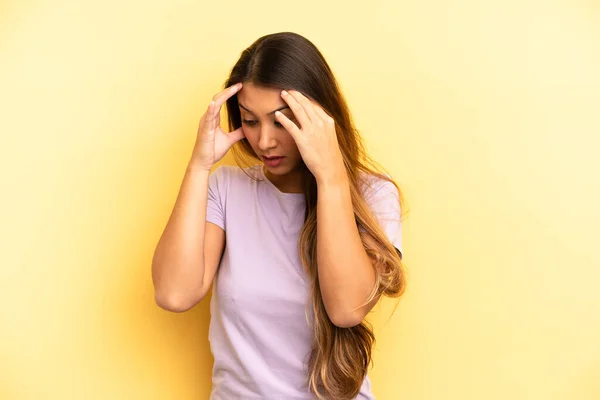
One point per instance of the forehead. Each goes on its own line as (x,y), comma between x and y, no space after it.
(260,99)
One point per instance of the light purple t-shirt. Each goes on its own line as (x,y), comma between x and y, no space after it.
(259,334)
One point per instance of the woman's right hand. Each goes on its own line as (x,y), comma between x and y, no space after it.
(212,143)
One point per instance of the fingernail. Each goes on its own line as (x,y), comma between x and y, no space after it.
(283,92)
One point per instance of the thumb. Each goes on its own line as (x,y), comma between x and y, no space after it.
(235,136)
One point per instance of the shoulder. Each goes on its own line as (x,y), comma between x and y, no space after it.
(227,172)
(377,188)
(232,174)
(383,198)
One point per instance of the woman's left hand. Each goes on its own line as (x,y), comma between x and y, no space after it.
(316,137)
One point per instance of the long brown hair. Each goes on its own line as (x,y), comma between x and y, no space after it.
(340,357)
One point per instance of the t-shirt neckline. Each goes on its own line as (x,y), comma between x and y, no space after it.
(278,192)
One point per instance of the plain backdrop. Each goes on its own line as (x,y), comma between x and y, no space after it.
(485,112)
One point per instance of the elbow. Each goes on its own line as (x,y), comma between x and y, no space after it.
(346,319)
(175,302)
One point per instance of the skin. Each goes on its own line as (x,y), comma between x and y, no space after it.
(188,253)
(301,132)
(304,132)
(268,137)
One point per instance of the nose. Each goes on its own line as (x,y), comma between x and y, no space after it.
(267,140)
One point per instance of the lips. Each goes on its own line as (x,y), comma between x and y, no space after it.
(272,161)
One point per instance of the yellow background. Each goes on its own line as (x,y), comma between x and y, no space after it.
(486,112)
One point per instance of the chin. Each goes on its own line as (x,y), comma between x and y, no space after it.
(279,171)
(284,169)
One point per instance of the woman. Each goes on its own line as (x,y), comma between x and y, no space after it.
(301,246)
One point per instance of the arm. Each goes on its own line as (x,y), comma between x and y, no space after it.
(346,275)
(188,253)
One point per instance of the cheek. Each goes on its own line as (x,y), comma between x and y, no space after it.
(289,141)
(250,134)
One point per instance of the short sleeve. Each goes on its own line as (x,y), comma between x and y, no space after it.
(215,209)
(384,200)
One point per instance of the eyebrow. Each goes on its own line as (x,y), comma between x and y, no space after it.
(269,113)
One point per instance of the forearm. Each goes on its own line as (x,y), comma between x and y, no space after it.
(346,275)
(178,261)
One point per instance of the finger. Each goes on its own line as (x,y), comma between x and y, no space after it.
(289,126)
(306,105)
(206,120)
(222,97)
(210,116)
(235,136)
(210,108)
(296,108)
(217,118)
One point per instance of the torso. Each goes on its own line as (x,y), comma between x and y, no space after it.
(260,334)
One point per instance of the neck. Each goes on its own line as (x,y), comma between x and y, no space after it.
(292,182)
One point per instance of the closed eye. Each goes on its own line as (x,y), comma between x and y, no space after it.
(249,122)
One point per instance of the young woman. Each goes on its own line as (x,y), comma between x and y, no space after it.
(300,246)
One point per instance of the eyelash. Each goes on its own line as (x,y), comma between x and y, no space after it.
(253,123)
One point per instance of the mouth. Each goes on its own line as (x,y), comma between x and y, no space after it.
(272,161)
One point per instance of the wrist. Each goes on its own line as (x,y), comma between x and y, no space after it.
(336,178)
(196,168)
(196,165)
